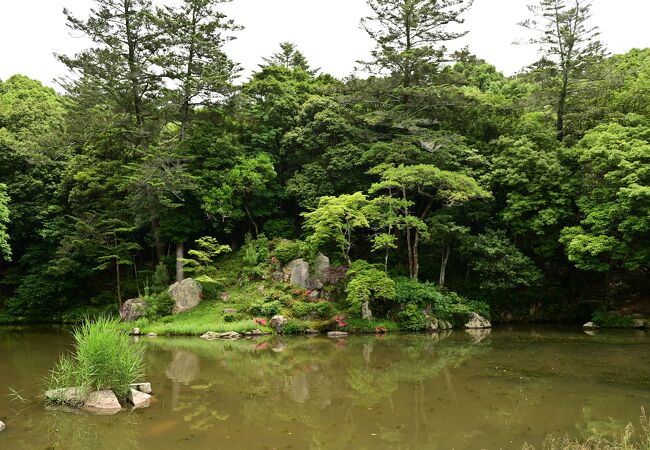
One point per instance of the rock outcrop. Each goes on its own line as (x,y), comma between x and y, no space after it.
(133,309)
(476,321)
(278,322)
(187,294)
(298,271)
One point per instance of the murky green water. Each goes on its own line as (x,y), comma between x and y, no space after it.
(394,392)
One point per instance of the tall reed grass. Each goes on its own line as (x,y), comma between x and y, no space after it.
(104,358)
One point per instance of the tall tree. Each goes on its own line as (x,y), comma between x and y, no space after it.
(289,57)
(5,249)
(410,34)
(569,46)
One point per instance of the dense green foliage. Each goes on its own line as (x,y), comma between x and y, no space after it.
(104,358)
(529,193)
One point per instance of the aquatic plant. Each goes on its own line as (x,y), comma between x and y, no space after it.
(104,358)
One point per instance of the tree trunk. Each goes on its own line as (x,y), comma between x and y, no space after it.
(119,286)
(179,262)
(160,245)
(443,265)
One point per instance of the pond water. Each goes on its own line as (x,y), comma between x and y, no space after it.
(457,391)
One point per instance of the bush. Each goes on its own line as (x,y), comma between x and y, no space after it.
(286,251)
(270,309)
(104,359)
(211,288)
(412,318)
(278,228)
(294,327)
(319,310)
(160,305)
(367,283)
(611,320)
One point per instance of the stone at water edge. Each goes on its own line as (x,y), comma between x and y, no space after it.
(476,321)
(102,403)
(590,326)
(639,323)
(135,332)
(73,396)
(142,387)
(187,294)
(312,331)
(211,335)
(278,322)
(151,335)
(2,426)
(337,334)
(140,399)
(133,309)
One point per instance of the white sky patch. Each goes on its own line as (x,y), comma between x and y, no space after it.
(326,31)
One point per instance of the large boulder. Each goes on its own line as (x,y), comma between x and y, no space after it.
(133,309)
(278,322)
(321,269)
(187,294)
(102,403)
(298,270)
(476,321)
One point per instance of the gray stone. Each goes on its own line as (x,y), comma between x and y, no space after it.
(102,403)
(590,326)
(187,295)
(443,325)
(151,335)
(313,295)
(135,332)
(278,322)
(225,296)
(133,309)
(639,323)
(73,396)
(366,313)
(2,426)
(298,270)
(336,334)
(312,331)
(142,387)
(476,321)
(140,399)
(230,311)
(277,276)
(211,335)
(321,269)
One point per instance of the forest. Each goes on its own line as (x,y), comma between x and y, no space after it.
(428,172)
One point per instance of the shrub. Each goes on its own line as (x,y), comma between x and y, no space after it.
(367,283)
(286,251)
(412,318)
(160,279)
(160,305)
(211,288)
(319,310)
(270,309)
(294,327)
(611,320)
(278,228)
(104,359)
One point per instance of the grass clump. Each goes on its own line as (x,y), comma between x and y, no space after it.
(104,359)
(628,438)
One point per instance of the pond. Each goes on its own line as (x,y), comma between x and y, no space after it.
(462,391)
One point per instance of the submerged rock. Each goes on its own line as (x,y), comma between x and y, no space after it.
(478,334)
(133,309)
(211,335)
(278,322)
(476,321)
(142,387)
(337,334)
(102,403)
(73,396)
(139,399)
(187,294)
(590,326)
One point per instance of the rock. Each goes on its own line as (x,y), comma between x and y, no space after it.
(278,322)
(211,335)
(432,325)
(476,321)
(321,269)
(140,399)
(313,295)
(590,332)
(133,309)
(590,326)
(2,426)
(366,313)
(336,334)
(230,311)
(102,403)
(256,332)
(151,335)
(639,323)
(443,325)
(312,331)
(142,387)
(299,273)
(277,276)
(187,294)
(260,289)
(135,332)
(225,296)
(73,396)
